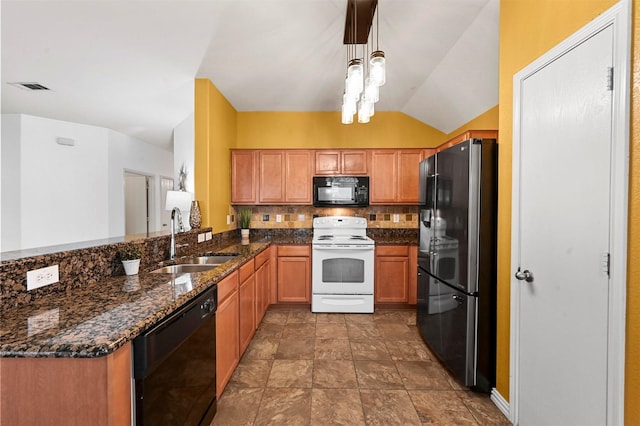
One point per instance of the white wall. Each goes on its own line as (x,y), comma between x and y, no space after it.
(133,155)
(10,180)
(184,155)
(68,193)
(184,151)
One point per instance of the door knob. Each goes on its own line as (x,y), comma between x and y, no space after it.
(525,275)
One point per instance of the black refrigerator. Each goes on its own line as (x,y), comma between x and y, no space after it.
(456,303)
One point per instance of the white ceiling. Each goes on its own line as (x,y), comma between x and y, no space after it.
(129,65)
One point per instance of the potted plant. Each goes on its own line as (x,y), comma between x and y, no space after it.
(244,218)
(130,257)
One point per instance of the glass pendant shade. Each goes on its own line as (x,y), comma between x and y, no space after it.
(347,115)
(349,103)
(377,64)
(363,111)
(371,91)
(355,77)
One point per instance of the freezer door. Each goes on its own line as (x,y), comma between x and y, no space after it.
(447,322)
(427,189)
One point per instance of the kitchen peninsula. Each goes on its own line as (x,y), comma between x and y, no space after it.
(74,341)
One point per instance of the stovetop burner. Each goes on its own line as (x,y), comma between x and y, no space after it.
(341,230)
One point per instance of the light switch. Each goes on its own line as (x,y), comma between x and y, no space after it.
(278,218)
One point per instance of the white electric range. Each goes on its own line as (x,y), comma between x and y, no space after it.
(342,265)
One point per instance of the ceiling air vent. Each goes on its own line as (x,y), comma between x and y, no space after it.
(29,86)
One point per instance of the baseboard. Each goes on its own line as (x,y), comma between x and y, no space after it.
(501,403)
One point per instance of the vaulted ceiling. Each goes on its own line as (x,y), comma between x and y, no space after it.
(130,65)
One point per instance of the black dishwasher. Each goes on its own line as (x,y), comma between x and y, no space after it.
(175,366)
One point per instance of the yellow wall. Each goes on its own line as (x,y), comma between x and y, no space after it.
(324,130)
(215,134)
(529,28)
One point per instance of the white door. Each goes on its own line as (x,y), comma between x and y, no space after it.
(561,237)
(136,203)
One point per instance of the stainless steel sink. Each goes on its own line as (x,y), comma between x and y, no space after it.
(183,268)
(207,260)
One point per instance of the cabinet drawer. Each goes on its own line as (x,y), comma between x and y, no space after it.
(392,250)
(294,251)
(261,257)
(227,286)
(246,270)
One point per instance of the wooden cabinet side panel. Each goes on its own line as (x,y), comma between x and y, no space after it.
(271,182)
(95,391)
(227,341)
(119,386)
(243,177)
(383,178)
(298,175)
(413,275)
(273,275)
(391,279)
(294,279)
(408,175)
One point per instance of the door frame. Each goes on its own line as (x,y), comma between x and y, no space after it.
(618,16)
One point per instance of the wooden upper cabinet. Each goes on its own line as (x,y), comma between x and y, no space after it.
(298,185)
(341,162)
(394,175)
(244,182)
(383,179)
(409,175)
(285,177)
(327,163)
(271,183)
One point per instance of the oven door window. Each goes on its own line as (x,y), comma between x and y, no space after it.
(343,270)
(335,193)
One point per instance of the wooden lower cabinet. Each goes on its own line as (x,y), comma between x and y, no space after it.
(247,300)
(392,274)
(64,391)
(294,274)
(227,331)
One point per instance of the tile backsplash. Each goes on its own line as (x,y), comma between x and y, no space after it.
(383,217)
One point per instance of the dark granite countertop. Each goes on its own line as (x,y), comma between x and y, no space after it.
(395,239)
(96,319)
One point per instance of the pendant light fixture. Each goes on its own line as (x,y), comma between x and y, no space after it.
(364,78)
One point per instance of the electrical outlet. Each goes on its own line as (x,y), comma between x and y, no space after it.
(42,277)
(300,217)
(278,218)
(228,219)
(396,218)
(201,237)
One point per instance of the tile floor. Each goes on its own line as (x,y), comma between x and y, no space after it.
(346,369)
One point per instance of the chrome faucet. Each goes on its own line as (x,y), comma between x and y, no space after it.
(172,249)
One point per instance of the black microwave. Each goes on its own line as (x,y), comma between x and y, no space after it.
(341,191)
